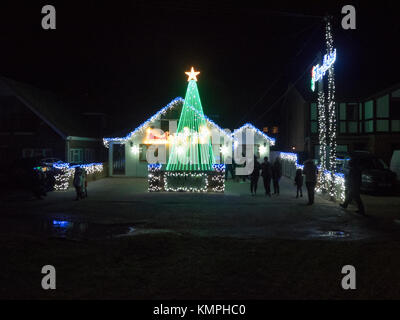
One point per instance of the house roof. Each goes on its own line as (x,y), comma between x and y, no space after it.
(63,116)
(256,131)
(178,102)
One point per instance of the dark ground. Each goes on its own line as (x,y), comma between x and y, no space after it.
(201,246)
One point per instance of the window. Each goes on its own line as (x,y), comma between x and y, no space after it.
(382,125)
(369,126)
(314,127)
(36,153)
(76,155)
(369,110)
(89,155)
(313,111)
(395,114)
(382,107)
(342,112)
(342,126)
(316,151)
(352,126)
(164,126)
(142,152)
(351,112)
(341,148)
(313,118)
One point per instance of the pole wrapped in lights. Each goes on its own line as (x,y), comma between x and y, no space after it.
(326,114)
(331,105)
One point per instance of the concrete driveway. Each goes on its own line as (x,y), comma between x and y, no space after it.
(125,201)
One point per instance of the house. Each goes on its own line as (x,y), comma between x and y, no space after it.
(127,155)
(369,123)
(38,124)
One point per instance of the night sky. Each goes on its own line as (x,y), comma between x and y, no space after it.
(128,58)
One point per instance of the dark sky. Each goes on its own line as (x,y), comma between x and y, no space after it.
(128,58)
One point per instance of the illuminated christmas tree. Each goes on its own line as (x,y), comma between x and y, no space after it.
(191,148)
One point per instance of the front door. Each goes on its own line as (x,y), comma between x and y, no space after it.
(118,159)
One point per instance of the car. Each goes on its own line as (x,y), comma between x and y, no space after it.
(395,163)
(50,161)
(375,174)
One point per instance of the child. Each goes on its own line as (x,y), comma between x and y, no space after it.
(298,181)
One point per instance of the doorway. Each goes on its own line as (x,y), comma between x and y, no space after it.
(118,160)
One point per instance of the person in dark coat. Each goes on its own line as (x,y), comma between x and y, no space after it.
(353,184)
(79,183)
(298,181)
(254,176)
(38,183)
(311,172)
(230,168)
(266,173)
(276,174)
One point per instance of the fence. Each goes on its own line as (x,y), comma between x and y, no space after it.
(290,165)
(65,175)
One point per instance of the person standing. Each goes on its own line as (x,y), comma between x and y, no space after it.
(276,174)
(78,183)
(84,183)
(353,184)
(310,171)
(254,176)
(266,173)
(298,181)
(229,168)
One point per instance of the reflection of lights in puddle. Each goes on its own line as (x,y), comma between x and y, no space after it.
(62,224)
(331,234)
(77,230)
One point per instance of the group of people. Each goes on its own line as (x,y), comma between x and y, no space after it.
(274,172)
(310,172)
(268,172)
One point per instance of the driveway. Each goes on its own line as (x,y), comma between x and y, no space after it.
(125,201)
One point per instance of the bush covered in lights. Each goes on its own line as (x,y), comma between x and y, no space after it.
(65,172)
(186,181)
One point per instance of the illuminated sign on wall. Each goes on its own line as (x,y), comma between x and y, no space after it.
(318,72)
(156,136)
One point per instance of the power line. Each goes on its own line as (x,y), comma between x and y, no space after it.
(262,97)
(279,77)
(288,89)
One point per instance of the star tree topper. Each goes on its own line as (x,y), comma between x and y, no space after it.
(192,74)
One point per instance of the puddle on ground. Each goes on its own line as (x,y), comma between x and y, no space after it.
(330,234)
(76,230)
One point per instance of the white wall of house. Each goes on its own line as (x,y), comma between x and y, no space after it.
(135,152)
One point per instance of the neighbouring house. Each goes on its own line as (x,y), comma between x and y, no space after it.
(127,155)
(364,124)
(38,124)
